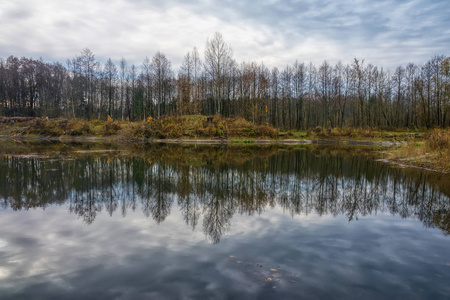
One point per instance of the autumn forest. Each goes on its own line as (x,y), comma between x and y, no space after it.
(297,96)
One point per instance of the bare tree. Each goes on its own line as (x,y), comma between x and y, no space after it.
(123,74)
(111,76)
(298,96)
(360,77)
(218,60)
(89,69)
(162,81)
(147,79)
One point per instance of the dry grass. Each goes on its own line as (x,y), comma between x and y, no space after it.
(201,127)
(356,133)
(438,140)
(164,128)
(433,152)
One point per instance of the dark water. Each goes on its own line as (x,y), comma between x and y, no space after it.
(178,222)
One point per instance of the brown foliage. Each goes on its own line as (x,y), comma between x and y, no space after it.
(267,131)
(44,127)
(346,132)
(193,126)
(111,127)
(438,139)
(433,152)
(75,126)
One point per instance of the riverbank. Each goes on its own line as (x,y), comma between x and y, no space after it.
(392,152)
(193,141)
(193,127)
(432,152)
(428,150)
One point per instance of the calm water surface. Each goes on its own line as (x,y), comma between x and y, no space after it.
(210,222)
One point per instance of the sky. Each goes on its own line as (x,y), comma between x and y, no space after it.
(276,32)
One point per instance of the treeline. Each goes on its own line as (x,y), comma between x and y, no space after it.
(299,96)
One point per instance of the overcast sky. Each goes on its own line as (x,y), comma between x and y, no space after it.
(277,32)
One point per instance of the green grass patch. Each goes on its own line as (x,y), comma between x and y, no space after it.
(300,134)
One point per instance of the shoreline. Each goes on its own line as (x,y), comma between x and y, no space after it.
(120,139)
(117,139)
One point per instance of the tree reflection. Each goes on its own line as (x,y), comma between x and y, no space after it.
(212,191)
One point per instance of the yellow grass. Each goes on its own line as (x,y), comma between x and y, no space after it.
(433,152)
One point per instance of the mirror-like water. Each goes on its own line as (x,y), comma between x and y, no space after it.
(204,222)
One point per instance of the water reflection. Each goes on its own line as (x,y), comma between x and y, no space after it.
(212,184)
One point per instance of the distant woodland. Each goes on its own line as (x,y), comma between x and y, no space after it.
(298,96)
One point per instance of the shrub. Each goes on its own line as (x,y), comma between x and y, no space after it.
(76,127)
(111,127)
(318,129)
(438,139)
(172,130)
(200,130)
(44,127)
(241,127)
(267,131)
(135,130)
(63,123)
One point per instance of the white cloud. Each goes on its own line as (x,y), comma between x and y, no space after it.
(276,32)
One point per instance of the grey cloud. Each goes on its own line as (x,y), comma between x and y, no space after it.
(276,31)
(17,13)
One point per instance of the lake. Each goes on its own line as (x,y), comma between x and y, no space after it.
(111,221)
